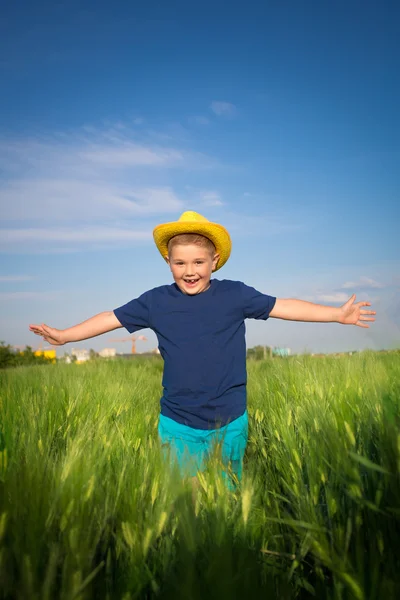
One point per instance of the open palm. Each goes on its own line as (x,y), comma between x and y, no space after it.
(351,313)
(49,334)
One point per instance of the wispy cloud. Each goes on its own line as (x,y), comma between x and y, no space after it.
(363,286)
(96,175)
(243,225)
(335,297)
(223,109)
(62,199)
(85,234)
(211,198)
(30,295)
(131,155)
(365,283)
(89,150)
(15,278)
(198,198)
(199,120)
(69,239)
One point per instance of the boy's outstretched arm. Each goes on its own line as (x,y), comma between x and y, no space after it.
(101,323)
(350,313)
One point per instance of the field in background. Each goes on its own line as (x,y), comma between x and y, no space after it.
(87,509)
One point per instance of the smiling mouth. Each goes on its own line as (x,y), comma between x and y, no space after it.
(191,281)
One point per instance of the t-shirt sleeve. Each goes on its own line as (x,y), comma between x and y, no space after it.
(135,315)
(255,304)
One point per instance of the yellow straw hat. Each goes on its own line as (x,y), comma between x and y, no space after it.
(193,222)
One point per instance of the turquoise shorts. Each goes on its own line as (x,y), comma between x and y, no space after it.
(191,448)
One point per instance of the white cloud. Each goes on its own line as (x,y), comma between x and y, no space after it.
(29,295)
(131,155)
(263,225)
(13,278)
(197,198)
(84,234)
(199,120)
(88,151)
(364,283)
(154,200)
(223,109)
(62,199)
(69,239)
(211,198)
(111,178)
(87,154)
(335,297)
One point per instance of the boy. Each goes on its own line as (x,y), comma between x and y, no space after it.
(199,323)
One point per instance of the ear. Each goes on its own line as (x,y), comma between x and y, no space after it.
(166,258)
(215,261)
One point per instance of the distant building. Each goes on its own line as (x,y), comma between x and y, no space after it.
(50,354)
(81,354)
(108,352)
(281,351)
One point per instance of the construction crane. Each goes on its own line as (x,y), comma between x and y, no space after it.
(132,339)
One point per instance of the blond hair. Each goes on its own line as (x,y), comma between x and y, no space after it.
(185,239)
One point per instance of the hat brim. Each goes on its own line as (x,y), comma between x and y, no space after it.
(213,231)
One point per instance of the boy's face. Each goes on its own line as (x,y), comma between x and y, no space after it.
(191,267)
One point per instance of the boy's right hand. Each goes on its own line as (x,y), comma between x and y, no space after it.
(53,336)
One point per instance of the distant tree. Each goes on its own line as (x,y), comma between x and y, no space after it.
(9,357)
(259,352)
(93,354)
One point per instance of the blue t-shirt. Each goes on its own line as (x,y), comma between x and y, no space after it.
(201,338)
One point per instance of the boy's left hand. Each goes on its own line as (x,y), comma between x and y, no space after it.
(351,314)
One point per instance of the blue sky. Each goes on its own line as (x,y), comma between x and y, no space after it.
(278,120)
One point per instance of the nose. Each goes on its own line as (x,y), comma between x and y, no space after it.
(190,270)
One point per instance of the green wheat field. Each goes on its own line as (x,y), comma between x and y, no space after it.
(88,508)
